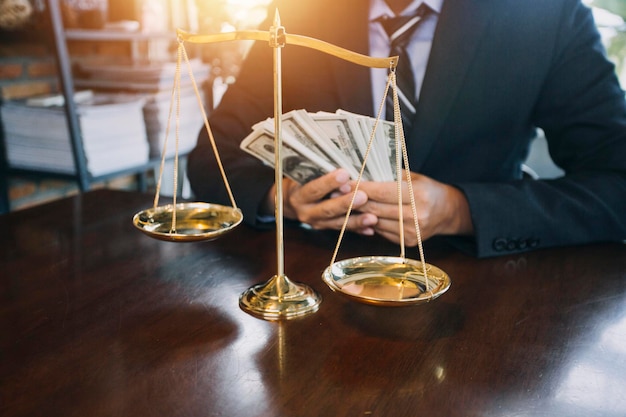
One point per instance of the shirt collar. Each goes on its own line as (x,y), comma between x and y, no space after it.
(380,8)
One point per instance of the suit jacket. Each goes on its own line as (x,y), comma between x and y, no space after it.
(498,69)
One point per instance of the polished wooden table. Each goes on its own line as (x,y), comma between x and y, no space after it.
(98,319)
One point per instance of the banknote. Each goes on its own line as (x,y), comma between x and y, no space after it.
(376,162)
(320,142)
(298,164)
(346,138)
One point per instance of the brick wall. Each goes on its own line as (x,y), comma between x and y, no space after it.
(26,69)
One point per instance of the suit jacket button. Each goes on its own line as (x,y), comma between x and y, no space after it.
(499,244)
(512,244)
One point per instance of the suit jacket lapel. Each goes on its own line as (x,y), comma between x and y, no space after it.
(459,31)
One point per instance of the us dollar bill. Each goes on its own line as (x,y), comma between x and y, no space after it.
(375,162)
(318,143)
(345,137)
(297,162)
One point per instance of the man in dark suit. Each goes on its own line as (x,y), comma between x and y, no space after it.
(495,70)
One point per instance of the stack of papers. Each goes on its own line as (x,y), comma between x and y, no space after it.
(155,82)
(188,121)
(112,127)
(317,143)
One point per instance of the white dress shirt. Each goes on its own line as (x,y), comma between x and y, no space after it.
(418,47)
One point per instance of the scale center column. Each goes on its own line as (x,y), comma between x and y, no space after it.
(279,298)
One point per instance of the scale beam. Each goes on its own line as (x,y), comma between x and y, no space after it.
(298,40)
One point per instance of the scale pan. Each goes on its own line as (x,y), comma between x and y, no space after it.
(194,221)
(386,280)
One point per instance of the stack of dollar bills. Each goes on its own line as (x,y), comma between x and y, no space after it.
(317,143)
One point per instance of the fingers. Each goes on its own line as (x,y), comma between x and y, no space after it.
(390,230)
(383,203)
(299,199)
(440,209)
(384,192)
(331,212)
(324,202)
(387,192)
(319,188)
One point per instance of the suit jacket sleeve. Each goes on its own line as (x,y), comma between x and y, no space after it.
(581,108)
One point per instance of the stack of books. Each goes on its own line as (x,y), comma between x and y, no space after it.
(155,83)
(184,123)
(113,133)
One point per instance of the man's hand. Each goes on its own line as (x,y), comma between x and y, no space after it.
(323,203)
(441,209)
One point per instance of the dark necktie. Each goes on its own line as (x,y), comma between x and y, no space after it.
(399,29)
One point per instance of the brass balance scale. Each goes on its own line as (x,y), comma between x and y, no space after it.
(376,280)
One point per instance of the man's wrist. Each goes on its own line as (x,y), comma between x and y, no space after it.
(460,216)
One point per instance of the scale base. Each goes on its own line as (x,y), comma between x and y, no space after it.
(279,298)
